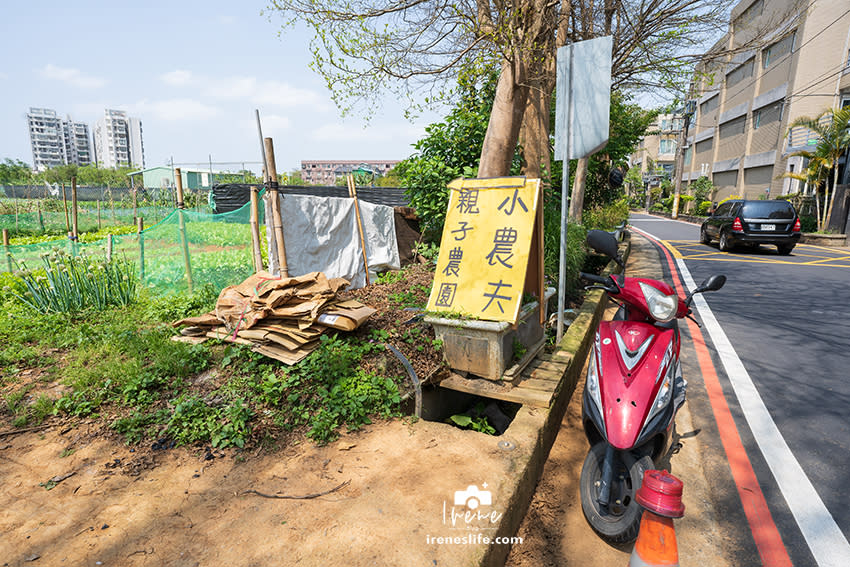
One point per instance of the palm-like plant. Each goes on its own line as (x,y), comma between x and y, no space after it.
(814,175)
(832,127)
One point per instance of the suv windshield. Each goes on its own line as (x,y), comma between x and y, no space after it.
(768,210)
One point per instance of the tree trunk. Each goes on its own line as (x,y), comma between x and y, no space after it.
(577,200)
(832,197)
(534,135)
(505,120)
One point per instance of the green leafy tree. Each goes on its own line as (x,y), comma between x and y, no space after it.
(450,148)
(628,123)
(294,178)
(15,172)
(362,48)
(832,127)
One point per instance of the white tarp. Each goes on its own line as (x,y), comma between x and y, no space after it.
(321,234)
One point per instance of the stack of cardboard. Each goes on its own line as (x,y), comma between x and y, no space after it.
(281,318)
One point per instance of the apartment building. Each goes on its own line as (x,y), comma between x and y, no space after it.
(118,140)
(325,172)
(655,157)
(77,142)
(791,58)
(56,141)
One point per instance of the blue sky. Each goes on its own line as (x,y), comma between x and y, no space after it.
(193,72)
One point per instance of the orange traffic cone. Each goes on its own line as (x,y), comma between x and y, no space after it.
(661,497)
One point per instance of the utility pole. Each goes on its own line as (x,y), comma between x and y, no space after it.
(690,107)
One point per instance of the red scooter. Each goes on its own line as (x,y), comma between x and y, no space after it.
(633,390)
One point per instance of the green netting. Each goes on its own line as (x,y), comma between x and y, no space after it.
(89,219)
(216,250)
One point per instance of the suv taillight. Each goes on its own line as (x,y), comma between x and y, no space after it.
(796,225)
(737,224)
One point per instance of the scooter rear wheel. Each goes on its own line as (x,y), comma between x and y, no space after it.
(618,522)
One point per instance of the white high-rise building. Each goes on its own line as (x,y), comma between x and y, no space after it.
(118,140)
(46,138)
(77,142)
(55,141)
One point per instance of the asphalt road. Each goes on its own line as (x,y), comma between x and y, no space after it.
(786,319)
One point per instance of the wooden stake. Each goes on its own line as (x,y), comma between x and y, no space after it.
(352,192)
(255,231)
(140,227)
(6,248)
(65,204)
(135,203)
(74,205)
(108,247)
(179,179)
(277,221)
(40,216)
(111,202)
(98,215)
(181,223)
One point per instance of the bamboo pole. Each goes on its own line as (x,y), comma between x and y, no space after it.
(65,204)
(181,223)
(74,206)
(352,192)
(16,213)
(98,215)
(255,231)
(6,248)
(108,247)
(277,221)
(140,227)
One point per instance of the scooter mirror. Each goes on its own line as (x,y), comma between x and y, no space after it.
(604,243)
(712,283)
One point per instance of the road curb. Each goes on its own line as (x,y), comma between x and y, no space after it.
(539,428)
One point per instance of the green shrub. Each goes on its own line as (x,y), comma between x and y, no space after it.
(703,208)
(608,217)
(808,223)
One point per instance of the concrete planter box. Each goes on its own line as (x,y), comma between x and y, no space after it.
(486,348)
(824,239)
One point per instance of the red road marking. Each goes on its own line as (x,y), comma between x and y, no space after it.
(766,535)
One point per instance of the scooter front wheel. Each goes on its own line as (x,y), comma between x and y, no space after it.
(619,521)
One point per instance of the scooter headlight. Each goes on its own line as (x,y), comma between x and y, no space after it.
(662,307)
(665,393)
(592,383)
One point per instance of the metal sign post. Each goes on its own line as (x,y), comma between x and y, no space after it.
(581,124)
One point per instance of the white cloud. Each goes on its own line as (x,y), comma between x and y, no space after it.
(177,78)
(264,93)
(353,133)
(71,76)
(274,123)
(175,109)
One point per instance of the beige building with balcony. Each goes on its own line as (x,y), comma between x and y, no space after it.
(798,66)
(656,154)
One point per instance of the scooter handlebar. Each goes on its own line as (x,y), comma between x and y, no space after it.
(604,282)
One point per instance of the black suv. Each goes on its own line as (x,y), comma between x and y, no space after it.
(753,223)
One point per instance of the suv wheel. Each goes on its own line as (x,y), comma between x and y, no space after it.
(703,236)
(784,249)
(724,244)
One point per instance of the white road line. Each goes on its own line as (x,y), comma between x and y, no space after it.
(823,536)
